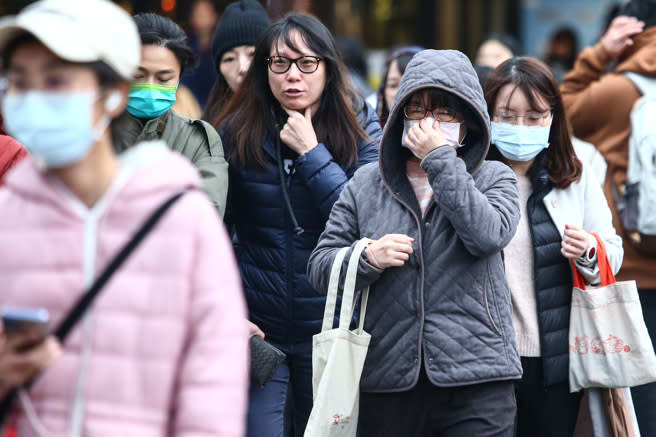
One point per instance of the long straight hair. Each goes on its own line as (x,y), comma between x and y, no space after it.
(534,79)
(253,112)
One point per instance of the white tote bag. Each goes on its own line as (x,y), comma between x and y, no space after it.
(609,345)
(338,356)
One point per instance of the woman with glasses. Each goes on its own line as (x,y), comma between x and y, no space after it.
(561,205)
(442,357)
(293,137)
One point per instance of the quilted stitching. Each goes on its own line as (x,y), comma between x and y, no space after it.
(464,325)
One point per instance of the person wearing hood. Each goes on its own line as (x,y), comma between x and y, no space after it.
(162,350)
(165,54)
(293,138)
(442,359)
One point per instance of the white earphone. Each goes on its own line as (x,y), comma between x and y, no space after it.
(113,100)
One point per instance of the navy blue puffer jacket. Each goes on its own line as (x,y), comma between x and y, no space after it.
(271,256)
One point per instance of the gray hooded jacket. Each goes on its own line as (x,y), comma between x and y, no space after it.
(448,307)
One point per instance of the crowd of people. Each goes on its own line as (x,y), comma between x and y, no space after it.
(464,177)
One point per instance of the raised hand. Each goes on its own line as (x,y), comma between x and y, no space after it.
(575,242)
(298,132)
(425,136)
(391,250)
(618,36)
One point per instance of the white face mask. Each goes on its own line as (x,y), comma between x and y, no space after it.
(450,130)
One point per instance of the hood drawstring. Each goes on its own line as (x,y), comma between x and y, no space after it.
(297,229)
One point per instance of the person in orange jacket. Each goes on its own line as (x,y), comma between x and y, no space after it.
(11,151)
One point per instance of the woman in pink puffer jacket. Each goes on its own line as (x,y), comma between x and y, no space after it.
(163,349)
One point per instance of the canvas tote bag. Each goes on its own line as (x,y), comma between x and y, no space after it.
(338,356)
(609,345)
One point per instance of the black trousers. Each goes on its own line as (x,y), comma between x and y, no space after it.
(479,410)
(644,396)
(550,412)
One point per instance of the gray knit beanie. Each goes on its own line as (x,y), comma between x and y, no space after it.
(241,24)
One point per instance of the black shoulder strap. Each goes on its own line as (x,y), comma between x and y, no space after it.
(76,313)
(83,303)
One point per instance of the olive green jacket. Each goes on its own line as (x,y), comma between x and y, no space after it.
(197,140)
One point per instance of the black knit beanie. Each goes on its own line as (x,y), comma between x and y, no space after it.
(241,24)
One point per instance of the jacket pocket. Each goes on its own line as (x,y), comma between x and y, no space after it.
(487,304)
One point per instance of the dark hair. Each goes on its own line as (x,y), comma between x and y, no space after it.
(164,32)
(217,99)
(534,78)
(563,35)
(253,112)
(643,10)
(353,54)
(402,57)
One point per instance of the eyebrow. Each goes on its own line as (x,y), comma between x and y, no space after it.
(167,71)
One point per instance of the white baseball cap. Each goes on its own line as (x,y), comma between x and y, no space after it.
(80,31)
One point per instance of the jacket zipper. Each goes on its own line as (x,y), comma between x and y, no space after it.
(421,287)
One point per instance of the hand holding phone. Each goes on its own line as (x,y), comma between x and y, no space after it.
(25,321)
(25,347)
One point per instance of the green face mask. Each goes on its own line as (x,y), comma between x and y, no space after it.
(149,100)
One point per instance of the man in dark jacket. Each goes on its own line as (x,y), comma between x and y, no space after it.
(443,355)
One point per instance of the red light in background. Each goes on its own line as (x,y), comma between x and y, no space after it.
(168,5)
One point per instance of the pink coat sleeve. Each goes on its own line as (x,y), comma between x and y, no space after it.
(212,390)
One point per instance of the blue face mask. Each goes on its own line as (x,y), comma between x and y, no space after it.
(149,100)
(56,128)
(520,143)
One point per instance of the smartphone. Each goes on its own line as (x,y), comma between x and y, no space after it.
(24,320)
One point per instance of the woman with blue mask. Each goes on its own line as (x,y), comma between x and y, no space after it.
(561,205)
(165,55)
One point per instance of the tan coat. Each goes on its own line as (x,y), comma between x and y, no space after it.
(598,107)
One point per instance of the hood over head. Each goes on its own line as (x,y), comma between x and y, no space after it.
(449,71)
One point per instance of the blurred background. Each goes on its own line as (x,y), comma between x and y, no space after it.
(541,27)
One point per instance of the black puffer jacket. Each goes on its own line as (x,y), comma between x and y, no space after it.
(553,284)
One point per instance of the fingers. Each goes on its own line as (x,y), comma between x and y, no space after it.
(391,250)
(308,114)
(575,242)
(253,329)
(19,367)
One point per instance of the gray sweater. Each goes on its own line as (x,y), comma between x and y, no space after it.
(448,307)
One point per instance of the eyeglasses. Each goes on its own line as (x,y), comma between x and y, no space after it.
(416,112)
(530,118)
(282,64)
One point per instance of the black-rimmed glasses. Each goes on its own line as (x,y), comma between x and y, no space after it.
(282,64)
(416,112)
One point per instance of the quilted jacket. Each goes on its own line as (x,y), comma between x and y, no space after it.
(271,256)
(448,307)
(163,351)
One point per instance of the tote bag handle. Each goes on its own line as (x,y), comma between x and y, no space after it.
(348,295)
(605,270)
